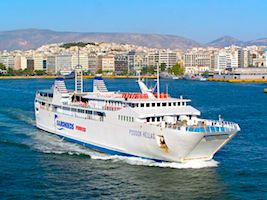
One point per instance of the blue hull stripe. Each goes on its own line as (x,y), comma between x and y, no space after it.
(105,150)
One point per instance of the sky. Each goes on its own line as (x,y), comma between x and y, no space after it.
(200,20)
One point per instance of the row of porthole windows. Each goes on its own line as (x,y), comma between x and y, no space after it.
(125,118)
(164,104)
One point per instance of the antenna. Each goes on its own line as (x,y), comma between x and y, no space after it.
(78,76)
(158,92)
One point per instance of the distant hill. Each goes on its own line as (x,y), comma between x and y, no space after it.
(228,41)
(225,41)
(33,38)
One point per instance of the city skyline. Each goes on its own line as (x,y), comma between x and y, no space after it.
(202,21)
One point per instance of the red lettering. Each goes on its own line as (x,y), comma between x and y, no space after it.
(80,128)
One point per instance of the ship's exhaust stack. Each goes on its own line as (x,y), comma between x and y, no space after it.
(99,84)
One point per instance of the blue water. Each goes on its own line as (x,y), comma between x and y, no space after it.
(38,165)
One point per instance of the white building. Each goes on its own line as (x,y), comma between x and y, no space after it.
(83,59)
(220,61)
(265,54)
(40,63)
(63,63)
(8,60)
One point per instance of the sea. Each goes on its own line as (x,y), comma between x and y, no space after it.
(37,165)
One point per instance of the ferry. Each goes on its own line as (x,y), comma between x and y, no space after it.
(147,124)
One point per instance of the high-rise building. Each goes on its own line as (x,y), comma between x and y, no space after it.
(40,63)
(8,61)
(93,62)
(244,58)
(121,63)
(198,58)
(51,64)
(107,63)
(168,57)
(136,61)
(83,59)
(220,61)
(63,63)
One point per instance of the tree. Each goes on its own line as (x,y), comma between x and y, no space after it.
(2,66)
(10,72)
(163,67)
(39,72)
(148,70)
(177,69)
(99,71)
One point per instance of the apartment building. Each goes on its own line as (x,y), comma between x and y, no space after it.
(107,63)
(121,63)
(8,60)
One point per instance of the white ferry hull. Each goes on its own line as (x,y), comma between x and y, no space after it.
(132,139)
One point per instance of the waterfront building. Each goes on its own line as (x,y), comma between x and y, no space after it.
(83,59)
(121,63)
(137,60)
(8,60)
(244,58)
(26,62)
(51,64)
(92,62)
(265,54)
(63,63)
(197,57)
(107,63)
(167,57)
(220,61)
(40,63)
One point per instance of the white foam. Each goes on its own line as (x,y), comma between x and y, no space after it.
(51,144)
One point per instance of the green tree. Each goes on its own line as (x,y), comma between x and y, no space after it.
(177,69)
(2,66)
(10,72)
(163,67)
(99,71)
(39,72)
(148,70)
(28,72)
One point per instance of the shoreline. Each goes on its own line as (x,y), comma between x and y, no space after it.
(238,80)
(86,77)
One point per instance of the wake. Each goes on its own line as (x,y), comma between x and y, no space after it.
(51,144)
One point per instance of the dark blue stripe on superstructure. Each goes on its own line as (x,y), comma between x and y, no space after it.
(59,79)
(98,78)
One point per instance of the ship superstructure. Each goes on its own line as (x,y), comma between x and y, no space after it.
(145,124)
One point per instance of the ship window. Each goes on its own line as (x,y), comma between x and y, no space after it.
(170,104)
(132,119)
(158,119)
(178,103)
(142,105)
(164,104)
(174,103)
(137,105)
(147,105)
(153,119)
(119,117)
(153,104)
(158,104)
(73,109)
(148,119)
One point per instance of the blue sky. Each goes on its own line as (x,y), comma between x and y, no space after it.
(201,20)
